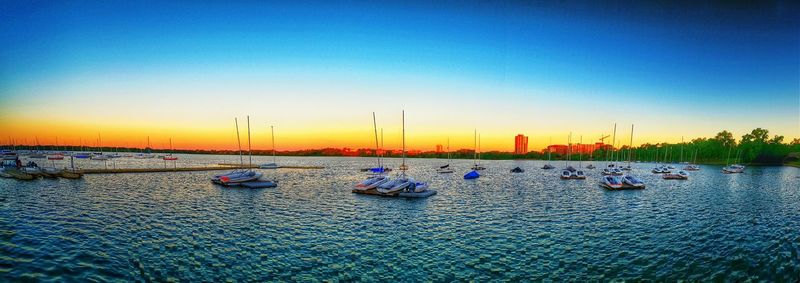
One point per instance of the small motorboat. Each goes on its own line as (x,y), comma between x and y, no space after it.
(472,175)
(371,182)
(631,182)
(680,175)
(396,185)
(548,166)
(268,166)
(733,169)
(517,170)
(610,182)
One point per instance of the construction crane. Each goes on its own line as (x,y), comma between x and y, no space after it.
(602,139)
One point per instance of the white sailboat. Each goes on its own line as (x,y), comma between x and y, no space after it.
(733,168)
(629,181)
(403,183)
(377,176)
(239,175)
(273,165)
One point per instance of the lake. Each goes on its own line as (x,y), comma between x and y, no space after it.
(503,226)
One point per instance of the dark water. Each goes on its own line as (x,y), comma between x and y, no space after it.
(502,226)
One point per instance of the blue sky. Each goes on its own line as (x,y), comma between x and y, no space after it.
(695,61)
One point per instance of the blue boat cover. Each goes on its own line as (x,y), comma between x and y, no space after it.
(472,175)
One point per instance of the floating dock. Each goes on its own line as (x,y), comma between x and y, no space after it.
(374,192)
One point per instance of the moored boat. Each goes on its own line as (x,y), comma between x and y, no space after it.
(610,182)
(680,175)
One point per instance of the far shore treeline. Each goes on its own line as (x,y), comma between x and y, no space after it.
(756,147)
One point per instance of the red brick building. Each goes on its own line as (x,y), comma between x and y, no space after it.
(520,144)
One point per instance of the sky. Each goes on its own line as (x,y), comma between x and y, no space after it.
(129,70)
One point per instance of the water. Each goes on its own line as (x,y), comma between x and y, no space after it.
(503,226)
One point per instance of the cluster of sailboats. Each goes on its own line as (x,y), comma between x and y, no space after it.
(246,177)
(379,183)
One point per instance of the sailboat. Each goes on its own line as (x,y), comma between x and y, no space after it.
(377,176)
(611,167)
(99,156)
(274,165)
(444,169)
(169,155)
(37,154)
(58,155)
(693,165)
(403,183)
(477,165)
(630,152)
(474,173)
(549,155)
(569,172)
(239,175)
(628,180)
(733,168)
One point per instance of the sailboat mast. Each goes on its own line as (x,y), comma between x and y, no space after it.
(549,152)
(448,149)
(613,142)
(479,146)
(630,147)
(238,141)
(375,127)
(272,129)
(249,149)
(681,149)
(404,142)
(475,148)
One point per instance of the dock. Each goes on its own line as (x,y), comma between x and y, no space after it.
(230,165)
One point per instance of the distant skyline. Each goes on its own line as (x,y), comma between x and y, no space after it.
(317,71)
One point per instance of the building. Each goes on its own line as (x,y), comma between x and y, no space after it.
(439,148)
(520,144)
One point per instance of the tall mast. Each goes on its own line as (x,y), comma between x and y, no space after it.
(404,143)
(382,142)
(249,149)
(630,147)
(479,146)
(613,142)
(375,127)
(681,149)
(272,129)
(549,152)
(475,147)
(238,141)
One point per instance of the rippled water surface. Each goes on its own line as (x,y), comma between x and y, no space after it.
(529,226)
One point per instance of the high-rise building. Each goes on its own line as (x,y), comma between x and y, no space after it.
(520,144)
